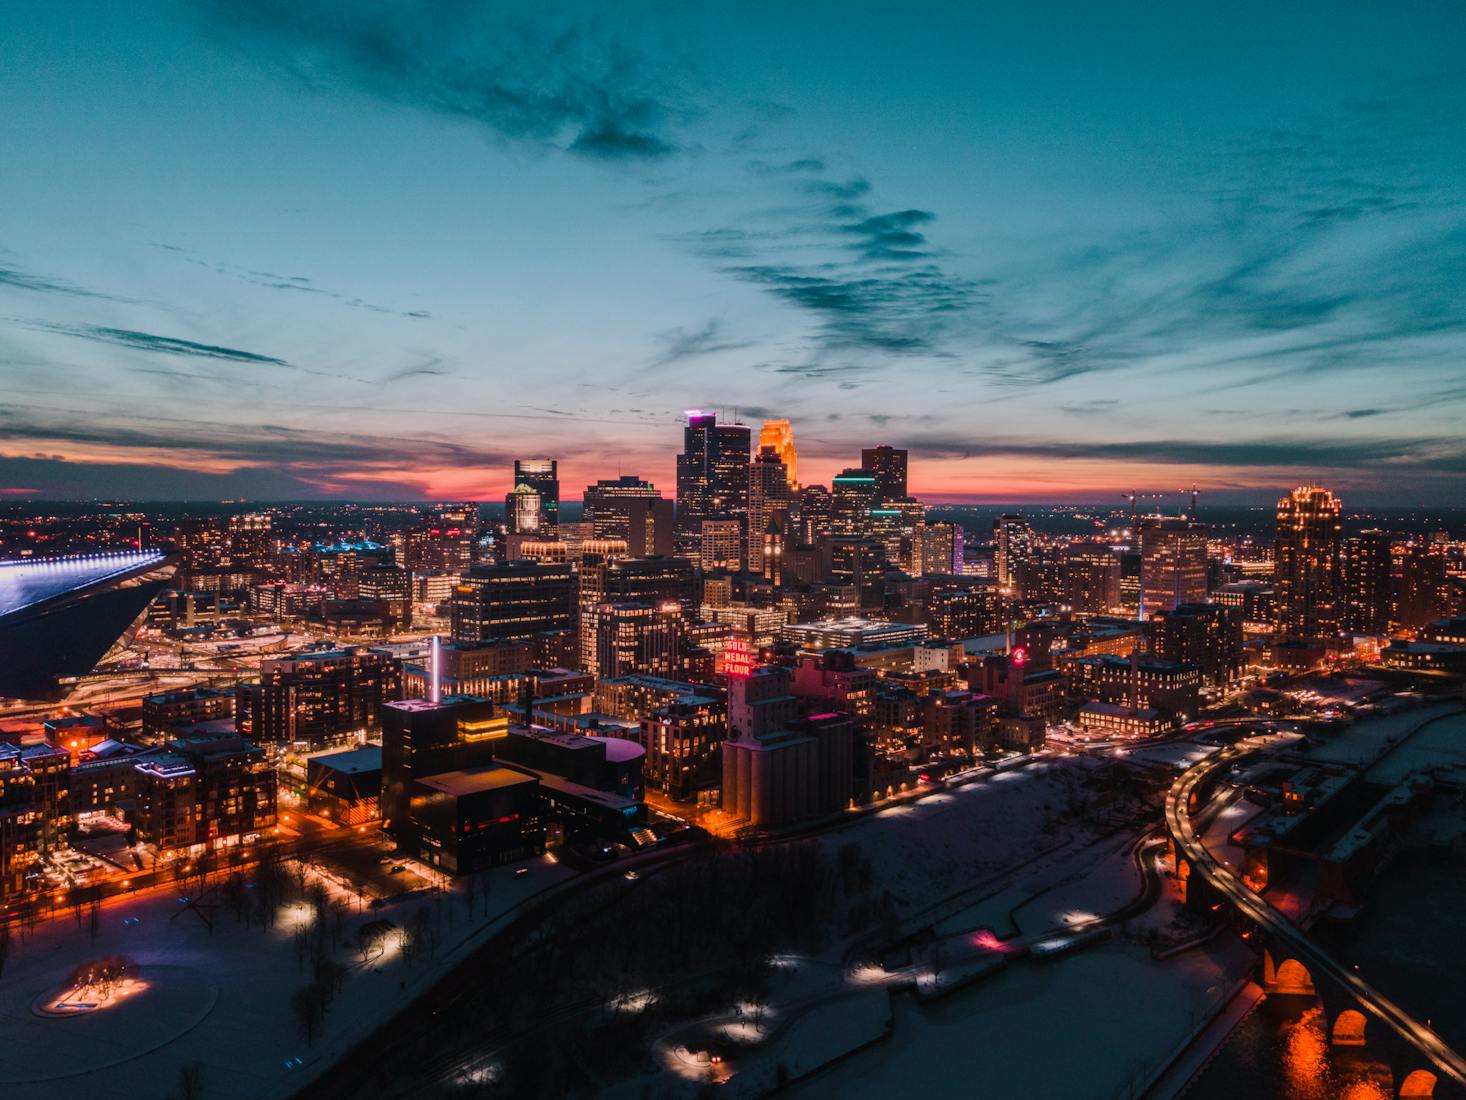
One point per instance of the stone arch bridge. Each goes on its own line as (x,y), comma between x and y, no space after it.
(1292,964)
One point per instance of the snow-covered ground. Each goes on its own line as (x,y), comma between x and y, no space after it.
(221,1000)
(1090,1025)
(1364,740)
(1440,744)
(927,850)
(1179,755)
(1105,881)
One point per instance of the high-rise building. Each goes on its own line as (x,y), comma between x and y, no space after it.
(1365,568)
(206,788)
(1420,587)
(814,512)
(889,466)
(721,545)
(451,533)
(1306,564)
(251,539)
(543,476)
(656,582)
(1206,635)
(1092,578)
(1172,563)
(853,493)
(631,509)
(632,637)
(316,696)
(1013,549)
(780,436)
(769,502)
(942,549)
(524,511)
(513,600)
(644,523)
(712,476)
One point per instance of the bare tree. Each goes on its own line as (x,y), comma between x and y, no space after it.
(191,1081)
(329,978)
(309,1011)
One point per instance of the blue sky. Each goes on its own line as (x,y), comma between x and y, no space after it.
(377,250)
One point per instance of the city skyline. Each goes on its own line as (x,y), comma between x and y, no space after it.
(279,252)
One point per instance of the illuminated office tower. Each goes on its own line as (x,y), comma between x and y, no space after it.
(654,581)
(451,535)
(250,539)
(1172,563)
(769,500)
(1013,550)
(721,545)
(853,493)
(814,510)
(1420,586)
(1092,578)
(1364,569)
(712,476)
(631,509)
(897,525)
(941,549)
(889,466)
(598,498)
(513,600)
(1306,564)
(780,436)
(524,511)
(632,637)
(543,476)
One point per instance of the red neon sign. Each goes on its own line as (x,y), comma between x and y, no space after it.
(738,658)
(1020,656)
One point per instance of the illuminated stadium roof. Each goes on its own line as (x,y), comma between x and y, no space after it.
(59,617)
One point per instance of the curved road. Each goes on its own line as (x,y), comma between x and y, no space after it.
(1318,961)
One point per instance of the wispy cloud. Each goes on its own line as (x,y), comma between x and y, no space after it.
(44,284)
(681,343)
(165,345)
(1402,454)
(521,71)
(298,284)
(173,346)
(870,279)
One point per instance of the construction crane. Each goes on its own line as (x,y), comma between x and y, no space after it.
(1132,498)
(1195,492)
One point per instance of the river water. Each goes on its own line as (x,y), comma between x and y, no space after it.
(1408,944)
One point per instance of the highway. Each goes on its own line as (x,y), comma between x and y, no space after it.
(1319,963)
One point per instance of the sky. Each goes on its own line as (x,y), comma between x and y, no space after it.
(289,249)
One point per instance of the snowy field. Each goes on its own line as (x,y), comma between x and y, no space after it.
(1440,744)
(1105,880)
(925,851)
(220,1000)
(1178,755)
(1364,740)
(1033,1029)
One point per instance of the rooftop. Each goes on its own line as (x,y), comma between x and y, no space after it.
(469,781)
(368,758)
